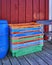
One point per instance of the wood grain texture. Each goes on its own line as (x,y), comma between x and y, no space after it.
(28,10)
(41,58)
(36,9)
(23,62)
(17,11)
(38,59)
(6,61)
(46,28)
(31,60)
(8,7)
(13,11)
(4,9)
(0,9)
(42,9)
(21,11)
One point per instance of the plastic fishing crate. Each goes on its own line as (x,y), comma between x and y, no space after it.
(25,34)
(26,38)
(27,29)
(26,44)
(25,25)
(27,50)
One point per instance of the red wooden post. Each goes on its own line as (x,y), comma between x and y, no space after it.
(46,28)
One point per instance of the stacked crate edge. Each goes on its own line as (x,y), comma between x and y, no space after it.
(23,37)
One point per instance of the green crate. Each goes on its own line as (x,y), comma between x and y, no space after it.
(26,39)
(28,50)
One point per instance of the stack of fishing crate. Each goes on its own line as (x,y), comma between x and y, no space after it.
(26,38)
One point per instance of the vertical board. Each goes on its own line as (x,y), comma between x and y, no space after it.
(28,10)
(13,11)
(47,9)
(21,11)
(42,9)
(36,9)
(17,11)
(0,9)
(46,28)
(8,10)
(4,9)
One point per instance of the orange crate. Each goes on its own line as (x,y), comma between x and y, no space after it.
(26,25)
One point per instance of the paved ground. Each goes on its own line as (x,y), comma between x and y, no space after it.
(40,58)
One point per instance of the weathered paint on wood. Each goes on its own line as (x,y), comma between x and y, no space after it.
(4,16)
(36,9)
(8,5)
(42,10)
(21,11)
(17,11)
(40,58)
(0,9)
(28,10)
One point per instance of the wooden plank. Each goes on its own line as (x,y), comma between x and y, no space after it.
(21,11)
(28,10)
(17,11)
(0,62)
(13,11)
(31,60)
(23,61)
(38,59)
(42,9)
(47,43)
(13,60)
(46,59)
(4,9)
(36,10)
(46,27)
(49,46)
(5,61)
(48,34)
(0,9)
(48,50)
(47,54)
(47,9)
(8,10)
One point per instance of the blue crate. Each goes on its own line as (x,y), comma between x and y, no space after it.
(25,34)
(27,44)
(26,29)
